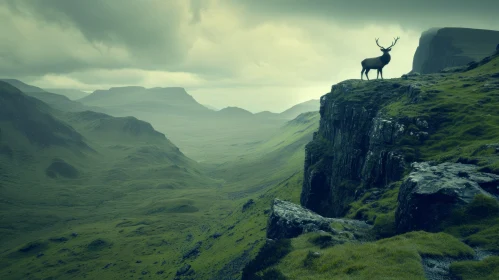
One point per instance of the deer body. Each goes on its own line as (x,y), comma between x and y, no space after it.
(377,62)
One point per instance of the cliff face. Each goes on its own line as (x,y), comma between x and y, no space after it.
(451,47)
(355,147)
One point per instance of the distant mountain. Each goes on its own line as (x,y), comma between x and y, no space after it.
(204,134)
(234,112)
(22,86)
(57,101)
(171,100)
(72,94)
(210,107)
(308,106)
(267,115)
(115,129)
(27,124)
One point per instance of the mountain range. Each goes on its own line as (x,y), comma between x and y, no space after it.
(201,133)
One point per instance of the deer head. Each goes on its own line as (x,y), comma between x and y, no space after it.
(387,50)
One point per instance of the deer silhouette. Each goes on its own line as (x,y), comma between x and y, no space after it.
(377,62)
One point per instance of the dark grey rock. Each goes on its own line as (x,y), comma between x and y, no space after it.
(193,252)
(248,204)
(433,191)
(107,266)
(183,270)
(289,220)
(436,268)
(452,47)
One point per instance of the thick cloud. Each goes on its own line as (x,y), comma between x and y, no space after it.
(421,14)
(259,55)
(152,32)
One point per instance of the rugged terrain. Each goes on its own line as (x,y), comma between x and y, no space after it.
(416,158)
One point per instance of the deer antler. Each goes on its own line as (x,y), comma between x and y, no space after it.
(378,43)
(394,42)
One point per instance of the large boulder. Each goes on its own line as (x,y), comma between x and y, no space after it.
(288,220)
(432,192)
(441,48)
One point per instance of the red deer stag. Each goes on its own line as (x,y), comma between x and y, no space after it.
(377,62)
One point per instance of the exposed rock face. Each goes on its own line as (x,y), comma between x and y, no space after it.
(289,220)
(441,48)
(355,148)
(431,192)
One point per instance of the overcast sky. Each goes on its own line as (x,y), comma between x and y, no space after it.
(255,54)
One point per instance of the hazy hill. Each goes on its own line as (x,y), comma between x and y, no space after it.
(31,119)
(72,94)
(267,115)
(210,107)
(307,106)
(132,100)
(57,101)
(234,112)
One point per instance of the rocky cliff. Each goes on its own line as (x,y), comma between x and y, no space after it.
(370,132)
(354,149)
(441,48)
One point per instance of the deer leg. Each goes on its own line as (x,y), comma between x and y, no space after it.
(381,72)
(377,74)
(367,71)
(362,73)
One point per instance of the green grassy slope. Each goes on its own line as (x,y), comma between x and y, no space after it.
(261,166)
(304,107)
(136,203)
(114,180)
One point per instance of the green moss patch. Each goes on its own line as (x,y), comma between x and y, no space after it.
(99,244)
(477,223)
(392,258)
(488,269)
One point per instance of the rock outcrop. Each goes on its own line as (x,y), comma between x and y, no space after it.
(355,147)
(440,48)
(432,192)
(288,220)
